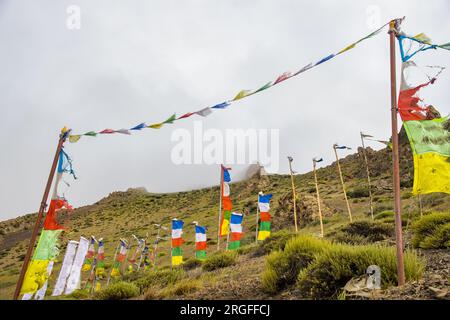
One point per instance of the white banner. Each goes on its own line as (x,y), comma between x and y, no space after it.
(73,282)
(65,269)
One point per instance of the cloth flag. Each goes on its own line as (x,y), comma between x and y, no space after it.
(89,256)
(200,242)
(265,218)
(65,269)
(100,268)
(73,282)
(47,247)
(429,137)
(120,258)
(177,241)
(236,230)
(226,202)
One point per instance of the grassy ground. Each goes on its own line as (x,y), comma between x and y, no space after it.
(122,214)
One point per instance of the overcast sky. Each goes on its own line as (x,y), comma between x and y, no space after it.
(141,61)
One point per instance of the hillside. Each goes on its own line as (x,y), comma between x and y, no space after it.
(135,211)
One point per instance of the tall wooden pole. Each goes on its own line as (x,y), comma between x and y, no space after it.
(395,156)
(343,185)
(37,224)
(318,198)
(220,208)
(368,175)
(293,193)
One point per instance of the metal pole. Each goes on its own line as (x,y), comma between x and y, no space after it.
(293,194)
(318,198)
(257,214)
(395,157)
(368,175)
(220,208)
(343,185)
(37,224)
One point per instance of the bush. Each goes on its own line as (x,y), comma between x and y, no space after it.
(220,260)
(118,291)
(432,231)
(276,241)
(182,288)
(358,192)
(191,263)
(160,278)
(363,232)
(325,277)
(384,214)
(282,267)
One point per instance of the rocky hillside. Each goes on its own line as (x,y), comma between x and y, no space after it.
(135,211)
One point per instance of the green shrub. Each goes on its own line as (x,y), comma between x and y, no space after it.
(384,214)
(118,291)
(220,260)
(159,278)
(363,232)
(358,192)
(276,241)
(182,288)
(191,263)
(325,277)
(282,267)
(432,231)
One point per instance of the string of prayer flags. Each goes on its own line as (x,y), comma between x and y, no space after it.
(243,93)
(265,218)
(416,44)
(177,241)
(132,260)
(226,201)
(336,146)
(236,231)
(200,242)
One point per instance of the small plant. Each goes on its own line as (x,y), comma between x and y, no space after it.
(182,288)
(358,192)
(432,231)
(118,291)
(159,278)
(363,232)
(220,260)
(191,263)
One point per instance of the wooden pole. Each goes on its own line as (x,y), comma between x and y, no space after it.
(368,175)
(343,185)
(395,156)
(293,193)
(220,208)
(318,198)
(114,260)
(257,216)
(37,224)
(420,205)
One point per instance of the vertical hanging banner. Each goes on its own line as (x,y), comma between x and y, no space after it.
(100,269)
(236,231)
(73,282)
(40,294)
(120,258)
(265,218)
(177,241)
(226,202)
(65,269)
(47,247)
(200,242)
(429,137)
(146,258)
(89,256)
(133,260)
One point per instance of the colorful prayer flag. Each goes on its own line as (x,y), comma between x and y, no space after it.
(89,256)
(200,242)
(265,218)
(236,230)
(177,241)
(226,202)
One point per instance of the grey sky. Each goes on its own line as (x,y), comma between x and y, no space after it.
(141,61)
